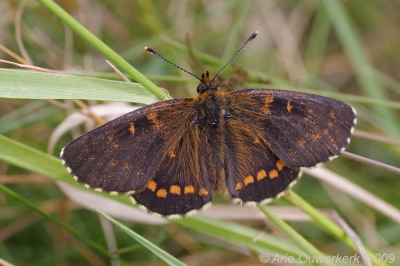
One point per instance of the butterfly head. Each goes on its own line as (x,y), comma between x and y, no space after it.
(207,83)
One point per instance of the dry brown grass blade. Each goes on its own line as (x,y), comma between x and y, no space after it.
(344,185)
(365,160)
(354,237)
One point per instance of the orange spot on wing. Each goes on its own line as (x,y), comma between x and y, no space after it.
(172,155)
(153,118)
(115,144)
(273,174)
(161,193)
(316,136)
(261,175)
(330,124)
(268,100)
(110,138)
(203,192)
(302,143)
(310,119)
(112,163)
(152,185)
(326,132)
(188,190)
(289,107)
(127,167)
(280,164)
(248,180)
(332,114)
(132,128)
(267,104)
(238,186)
(175,190)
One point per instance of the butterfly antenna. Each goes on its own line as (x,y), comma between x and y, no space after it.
(238,52)
(151,51)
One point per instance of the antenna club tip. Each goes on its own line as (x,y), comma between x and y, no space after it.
(253,35)
(149,50)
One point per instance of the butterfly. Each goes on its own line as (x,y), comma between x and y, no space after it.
(171,156)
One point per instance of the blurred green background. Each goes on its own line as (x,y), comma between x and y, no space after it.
(336,48)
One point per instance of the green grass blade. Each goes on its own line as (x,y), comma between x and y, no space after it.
(362,67)
(293,235)
(168,258)
(23,156)
(235,37)
(241,235)
(19,84)
(68,228)
(22,111)
(317,42)
(103,48)
(324,223)
(30,159)
(28,119)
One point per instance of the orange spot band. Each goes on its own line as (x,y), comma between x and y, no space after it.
(280,165)
(261,175)
(203,192)
(161,193)
(273,174)
(152,185)
(248,180)
(175,190)
(188,190)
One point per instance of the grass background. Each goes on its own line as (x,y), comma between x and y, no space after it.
(338,47)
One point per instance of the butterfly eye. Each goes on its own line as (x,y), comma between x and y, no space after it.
(200,89)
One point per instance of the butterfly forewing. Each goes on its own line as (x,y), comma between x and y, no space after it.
(154,153)
(123,154)
(300,129)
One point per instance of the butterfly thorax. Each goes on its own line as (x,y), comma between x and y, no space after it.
(212,109)
(211,104)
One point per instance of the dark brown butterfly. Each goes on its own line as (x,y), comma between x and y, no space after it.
(172,155)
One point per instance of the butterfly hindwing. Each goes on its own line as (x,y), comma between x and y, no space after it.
(301,129)
(253,173)
(181,182)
